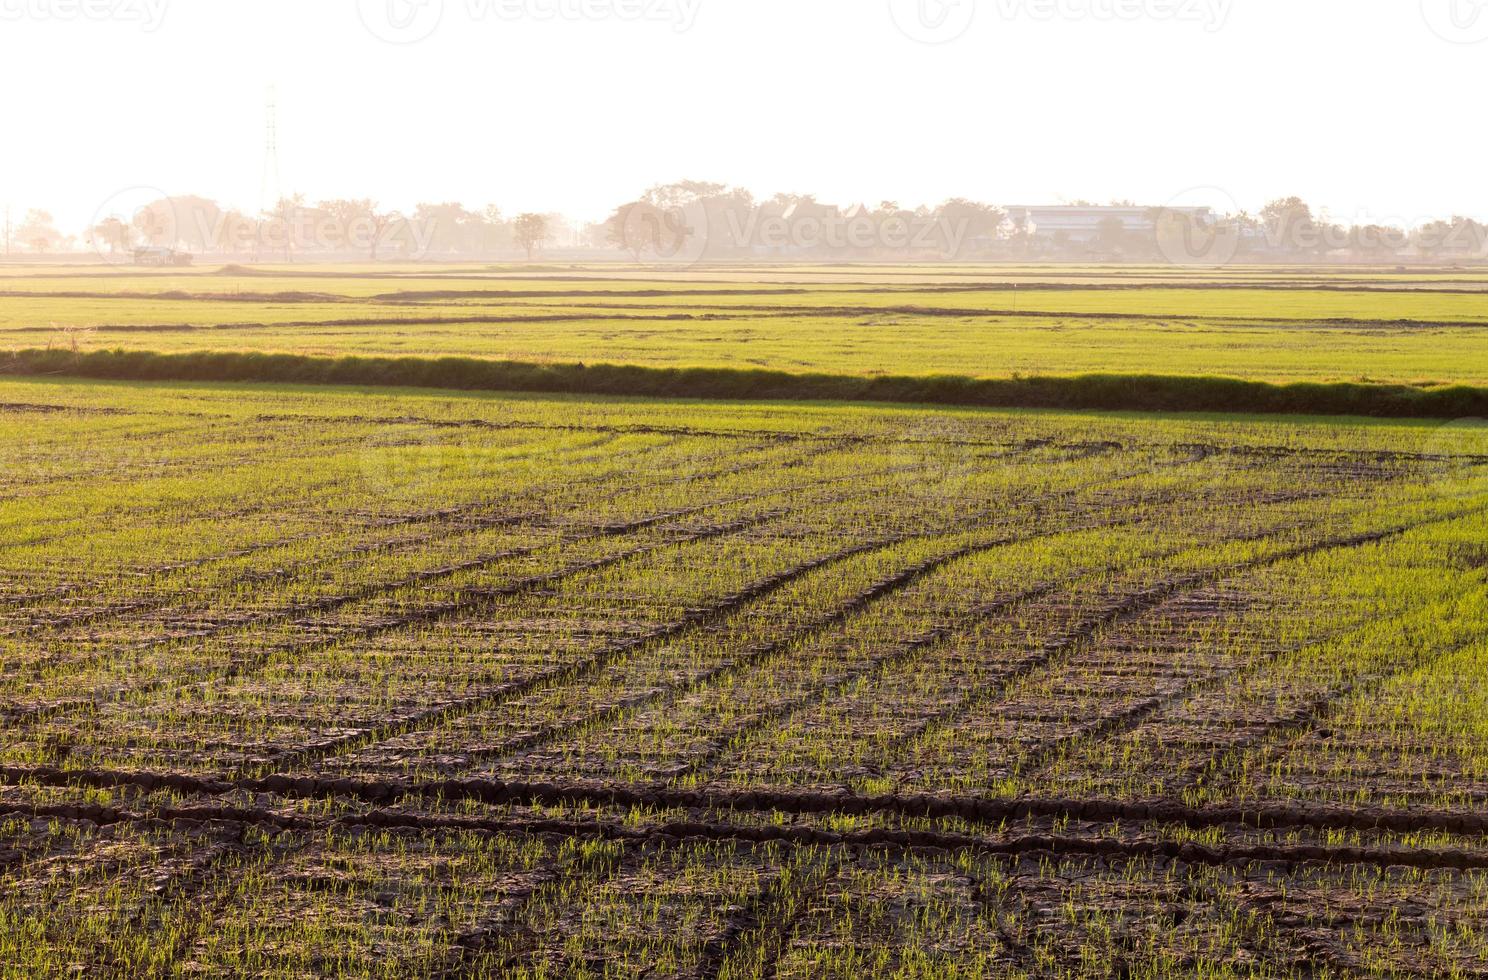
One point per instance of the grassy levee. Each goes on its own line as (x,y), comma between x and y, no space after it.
(1113,392)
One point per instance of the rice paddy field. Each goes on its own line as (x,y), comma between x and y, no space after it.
(378,682)
(1424,328)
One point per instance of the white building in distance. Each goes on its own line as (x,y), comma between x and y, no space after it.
(1081,223)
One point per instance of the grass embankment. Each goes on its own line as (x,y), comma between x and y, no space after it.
(981,346)
(1116,392)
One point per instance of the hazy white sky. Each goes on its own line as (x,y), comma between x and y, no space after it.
(1371,108)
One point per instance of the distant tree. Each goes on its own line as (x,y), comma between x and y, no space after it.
(1289,224)
(39,231)
(194,219)
(155,223)
(1432,237)
(343,215)
(114,233)
(379,222)
(1377,241)
(530,231)
(784,202)
(683,193)
(1470,236)
(449,227)
(1020,235)
(409,237)
(797,214)
(236,233)
(591,234)
(895,227)
(1327,236)
(700,218)
(189,220)
(1460,238)
(560,229)
(640,227)
(974,221)
(281,224)
(495,230)
(358,223)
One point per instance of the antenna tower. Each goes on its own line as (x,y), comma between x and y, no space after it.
(270,188)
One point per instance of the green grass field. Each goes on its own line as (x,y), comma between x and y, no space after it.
(1274,327)
(366,681)
(398,660)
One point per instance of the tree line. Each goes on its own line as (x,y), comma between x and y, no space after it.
(294,227)
(698,220)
